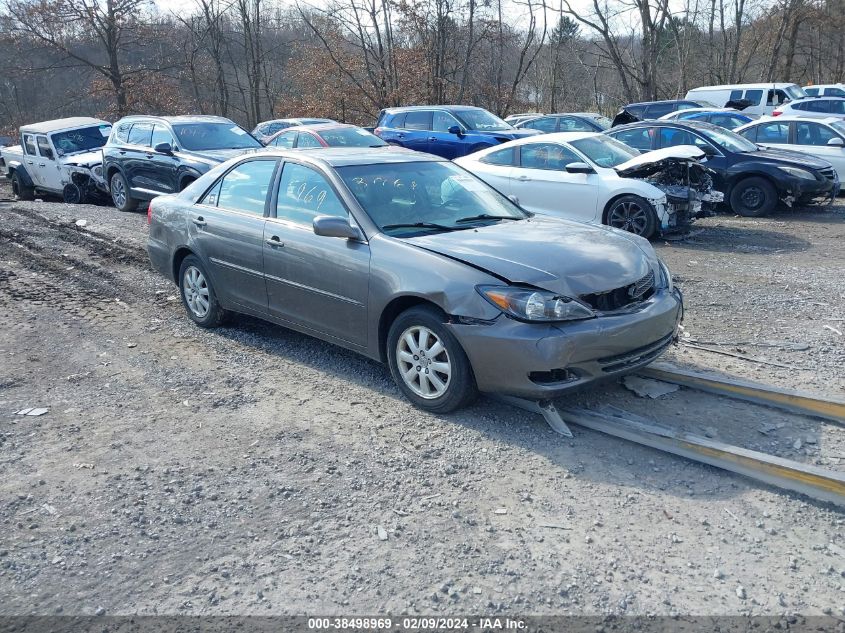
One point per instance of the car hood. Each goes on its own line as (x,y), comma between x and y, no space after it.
(215,156)
(565,257)
(508,134)
(687,153)
(84,159)
(788,156)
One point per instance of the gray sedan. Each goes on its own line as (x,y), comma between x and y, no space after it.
(409,259)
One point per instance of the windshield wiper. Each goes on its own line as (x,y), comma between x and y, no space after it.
(486,216)
(420,225)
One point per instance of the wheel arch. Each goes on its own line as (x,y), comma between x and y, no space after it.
(739,176)
(393,309)
(622,194)
(20,170)
(178,257)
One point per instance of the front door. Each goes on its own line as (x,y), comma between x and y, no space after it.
(227,228)
(813,138)
(319,283)
(441,141)
(162,169)
(47,170)
(543,185)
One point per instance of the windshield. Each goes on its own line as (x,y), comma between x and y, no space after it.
(350,137)
(605,151)
(209,136)
(795,92)
(402,198)
(728,140)
(481,120)
(82,140)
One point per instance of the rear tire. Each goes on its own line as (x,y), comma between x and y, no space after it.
(633,214)
(120,196)
(753,197)
(198,294)
(428,363)
(21,191)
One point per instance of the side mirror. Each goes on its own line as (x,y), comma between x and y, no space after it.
(163,148)
(456,130)
(707,149)
(836,142)
(332,226)
(514,199)
(579,168)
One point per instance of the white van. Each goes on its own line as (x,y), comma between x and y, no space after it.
(764,97)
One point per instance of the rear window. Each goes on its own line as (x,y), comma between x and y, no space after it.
(502,157)
(351,137)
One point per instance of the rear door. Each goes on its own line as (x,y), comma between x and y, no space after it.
(227,228)
(497,169)
(286,140)
(813,138)
(543,185)
(417,130)
(774,134)
(318,283)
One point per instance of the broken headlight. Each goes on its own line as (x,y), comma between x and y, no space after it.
(97,170)
(527,304)
(796,172)
(666,276)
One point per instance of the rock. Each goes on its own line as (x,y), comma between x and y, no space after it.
(382,533)
(797,444)
(647,388)
(100,611)
(718,575)
(500,511)
(740,592)
(81,222)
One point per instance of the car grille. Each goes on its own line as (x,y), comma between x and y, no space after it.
(828,172)
(636,357)
(622,297)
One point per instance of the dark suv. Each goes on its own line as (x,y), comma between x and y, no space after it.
(647,110)
(147,156)
(447,131)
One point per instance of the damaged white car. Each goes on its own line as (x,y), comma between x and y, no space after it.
(61,157)
(593,178)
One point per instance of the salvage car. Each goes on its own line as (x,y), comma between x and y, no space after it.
(753,179)
(411,260)
(324,135)
(60,157)
(266,129)
(591,177)
(566,122)
(147,156)
(821,138)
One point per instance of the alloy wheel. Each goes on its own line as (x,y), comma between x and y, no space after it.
(195,288)
(423,362)
(118,192)
(629,216)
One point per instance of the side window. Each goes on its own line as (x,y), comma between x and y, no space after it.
(397,121)
(275,127)
(820,105)
(121,133)
(284,140)
(418,120)
(776,97)
(140,134)
(837,107)
(754,96)
(571,124)
(801,106)
(636,110)
(807,133)
(750,133)
(442,121)
(639,138)
(546,156)
(161,135)
(727,120)
(833,92)
(29,145)
(304,194)
(670,137)
(503,157)
(812,92)
(735,94)
(773,133)
(244,188)
(307,140)
(659,109)
(544,124)
(44,147)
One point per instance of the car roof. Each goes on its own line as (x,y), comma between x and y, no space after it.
(648,103)
(56,125)
(318,127)
(745,86)
(814,99)
(562,137)
(688,124)
(182,118)
(795,117)
(345,156)
(431,107)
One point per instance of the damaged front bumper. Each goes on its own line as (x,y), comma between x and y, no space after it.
(803,192)
(684,205)
(84,184)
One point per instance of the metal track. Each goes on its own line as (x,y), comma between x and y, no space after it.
(794,401)
(812,481)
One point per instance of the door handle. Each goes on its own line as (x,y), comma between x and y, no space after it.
(524,178)
(199,221)
(274,241)
(401,135)
(121,152)
(432,138)
(29,162)
(42,164)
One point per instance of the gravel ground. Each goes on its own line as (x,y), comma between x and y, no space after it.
(253,470)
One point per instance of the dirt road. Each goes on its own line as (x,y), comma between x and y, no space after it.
(249,469)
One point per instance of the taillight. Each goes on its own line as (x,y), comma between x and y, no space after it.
(378,131)
(150,213)
(777,113)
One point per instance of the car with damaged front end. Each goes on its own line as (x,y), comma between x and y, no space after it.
(62,157)
(409,259)
(590,177)
(753,179)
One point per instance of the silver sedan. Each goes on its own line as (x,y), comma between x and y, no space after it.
(409,259)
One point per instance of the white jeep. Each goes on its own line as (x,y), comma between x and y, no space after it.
(61,157)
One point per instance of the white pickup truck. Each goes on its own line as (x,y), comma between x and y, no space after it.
(61,157)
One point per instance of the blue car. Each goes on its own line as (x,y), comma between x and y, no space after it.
(447,131)
(730,119)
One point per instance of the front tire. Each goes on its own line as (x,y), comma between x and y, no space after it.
(198,294)
(428,363)
(753,197)
(21,191)
(633,214)
(120,196)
